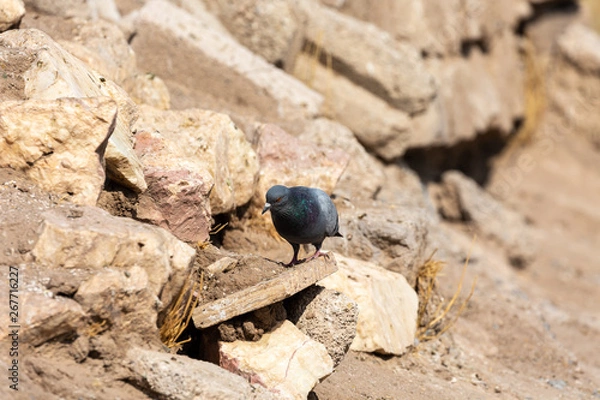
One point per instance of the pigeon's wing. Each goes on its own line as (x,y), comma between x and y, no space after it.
(328,213)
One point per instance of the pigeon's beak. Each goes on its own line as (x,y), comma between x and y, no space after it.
(267,207)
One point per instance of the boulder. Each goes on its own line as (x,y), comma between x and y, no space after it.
(327,316)
(93,9)
(285,361)
(378,126)
(370,57)
(60,144)
(88,238)
(148,89)
(387,305)
(178,188)
(50,72)
(212,65)
(11,12)
(176,377)
(210,142)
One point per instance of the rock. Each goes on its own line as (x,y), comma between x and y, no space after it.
(285,361)
(390,235)
(213,143)
(178,189)
(460,198)
(387,319)
(148,89)
(11,12)
(120,297)
(371,58)
(575,79)
(264,293)
(327,316)
(267,28)
(379,127)
(176,377)
(90,238)
(50,72)
(289,161)
(46,317)
(222,68)
(364,175)
(59,144)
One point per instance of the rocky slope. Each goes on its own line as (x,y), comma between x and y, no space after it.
(137,142)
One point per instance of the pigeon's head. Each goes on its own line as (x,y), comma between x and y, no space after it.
(276,197)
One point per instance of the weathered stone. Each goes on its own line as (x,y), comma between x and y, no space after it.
(208,62)
(327,316)
(121,297)
(286,160)
(59,144)
(264,293)
(176,377)
(91,238)
(178,189)
(461,198)
(45,317)
(268,28)
(371,57)
(51,72)
(387,319)
(210,140)
(74,8)
(148,89)
(285,361)
(378,126)
(11,12)
(364,175)
(391,235)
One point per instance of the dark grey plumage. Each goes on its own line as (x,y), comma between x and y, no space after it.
(302,215)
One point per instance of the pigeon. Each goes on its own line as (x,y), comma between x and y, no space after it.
(302,215)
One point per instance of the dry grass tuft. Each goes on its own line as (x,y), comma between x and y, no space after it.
(213,231)
(180,314)
(435,316)
(96,328)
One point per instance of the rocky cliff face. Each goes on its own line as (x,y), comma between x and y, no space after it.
(138,140)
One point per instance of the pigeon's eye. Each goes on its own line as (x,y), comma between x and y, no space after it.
(277,201)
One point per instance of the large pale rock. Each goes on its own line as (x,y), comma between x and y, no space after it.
(387,305)
(92,9)
(50,72)
(11,12)
(208,62)
(59,144)
(45,317)
(287,160)
(574,89)
(285,361)
(364,175)
(178,188)
(460,198)
(378,126)
(90,238)
(327,316)
(170,376)
(266,27)
(370,57)
(213,141)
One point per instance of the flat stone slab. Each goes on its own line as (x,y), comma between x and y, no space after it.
(283,283)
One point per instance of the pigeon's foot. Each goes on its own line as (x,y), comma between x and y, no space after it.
(317,254)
